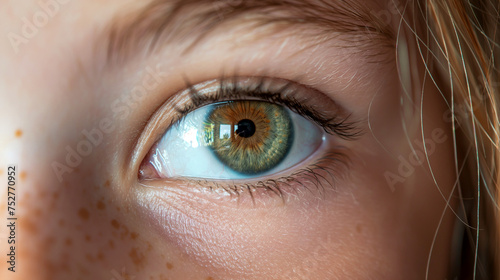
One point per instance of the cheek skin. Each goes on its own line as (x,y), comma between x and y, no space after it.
(81,227)
(231,241)
(77,228)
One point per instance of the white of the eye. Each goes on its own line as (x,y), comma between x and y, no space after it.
(181,151)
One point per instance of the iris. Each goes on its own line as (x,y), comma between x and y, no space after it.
(249,137)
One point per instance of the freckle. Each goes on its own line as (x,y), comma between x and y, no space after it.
(170,266)
(107,184)
(64,267)
(84,214)
(101,205)
(359,228)
(100,256)
(29,226)
(88,238)
(111,244)
(137,258)
(42,194)
(89,258)
(49,265)
(23,175)
(118,209)
(115,223)
(19,133)
(210,278)
(49,241)
(83,270)
(55,195)
(37,212)
(68,242)
(134,235)
(61,223)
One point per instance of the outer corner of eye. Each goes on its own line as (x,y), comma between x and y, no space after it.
(233,140)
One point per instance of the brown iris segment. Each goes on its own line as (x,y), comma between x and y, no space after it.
(249,137)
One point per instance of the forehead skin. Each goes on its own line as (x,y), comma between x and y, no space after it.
(90,225)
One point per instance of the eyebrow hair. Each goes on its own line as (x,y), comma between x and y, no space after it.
(165,21)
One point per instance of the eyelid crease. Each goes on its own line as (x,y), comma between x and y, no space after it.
(231,89)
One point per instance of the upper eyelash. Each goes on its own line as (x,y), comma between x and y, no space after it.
(341,127)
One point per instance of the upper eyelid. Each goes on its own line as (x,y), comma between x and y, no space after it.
(163,22)
(337,123)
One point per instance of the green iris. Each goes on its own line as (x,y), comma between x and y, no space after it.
(250,137)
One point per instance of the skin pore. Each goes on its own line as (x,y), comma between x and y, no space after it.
(381,214)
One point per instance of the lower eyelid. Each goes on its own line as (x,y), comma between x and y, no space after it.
(318,178)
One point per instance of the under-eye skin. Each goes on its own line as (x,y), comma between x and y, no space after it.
(244,134)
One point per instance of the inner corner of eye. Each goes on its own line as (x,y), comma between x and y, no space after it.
(148,168)
(233,140)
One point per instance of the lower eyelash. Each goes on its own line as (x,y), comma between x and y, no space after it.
(317,177)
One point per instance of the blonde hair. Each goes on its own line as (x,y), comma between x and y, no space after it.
(462,37)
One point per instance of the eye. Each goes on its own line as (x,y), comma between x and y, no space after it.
(246,134)
(235,140)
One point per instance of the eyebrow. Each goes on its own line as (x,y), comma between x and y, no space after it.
(166,21)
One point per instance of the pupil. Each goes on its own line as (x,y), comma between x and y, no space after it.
(246,128)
